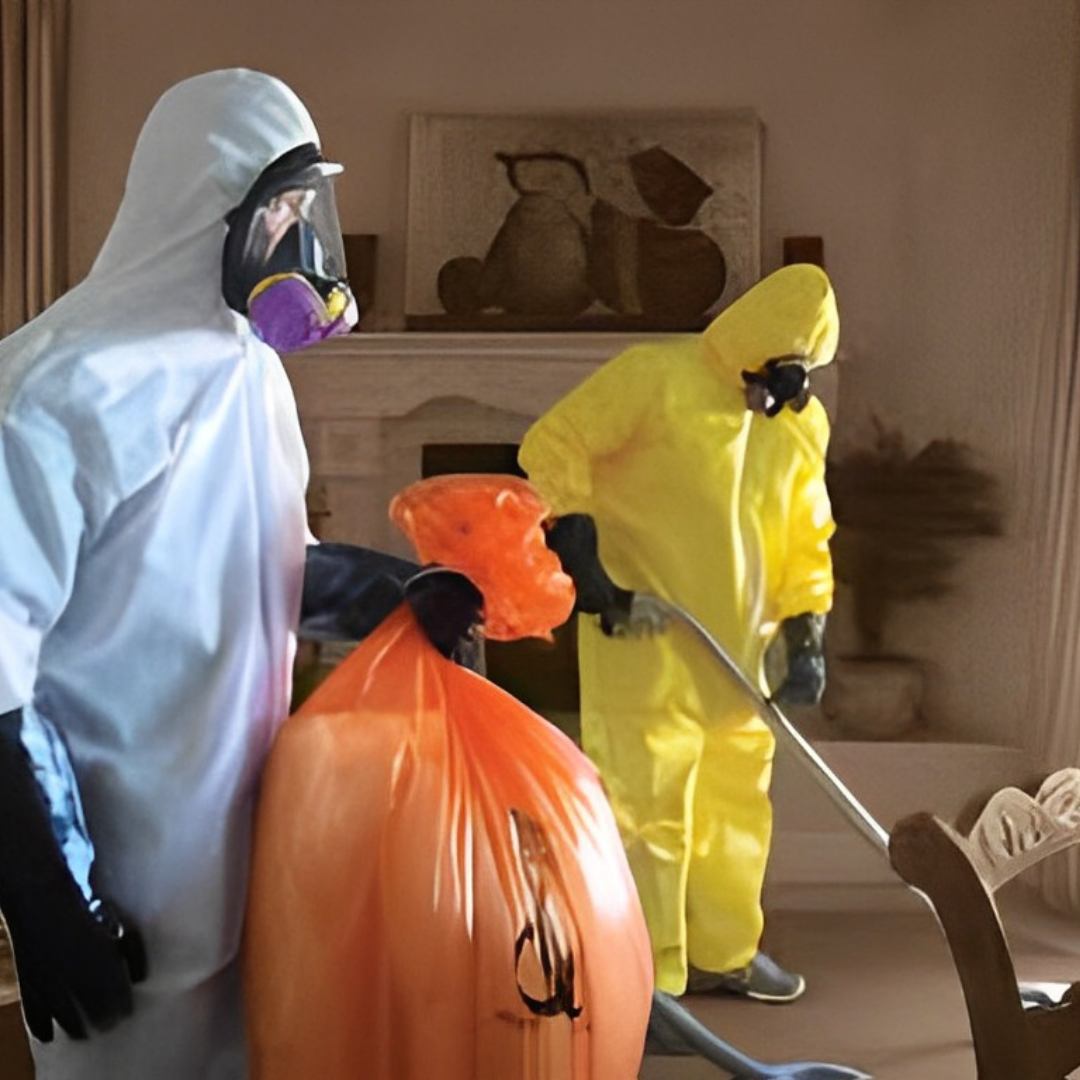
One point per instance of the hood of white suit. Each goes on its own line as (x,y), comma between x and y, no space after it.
(203,145)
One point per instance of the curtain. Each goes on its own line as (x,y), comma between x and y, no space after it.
(33,243)
(33,137)
(1053,730)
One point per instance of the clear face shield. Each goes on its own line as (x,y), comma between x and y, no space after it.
(284,261)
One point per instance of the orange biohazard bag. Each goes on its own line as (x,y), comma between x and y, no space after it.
(438,885)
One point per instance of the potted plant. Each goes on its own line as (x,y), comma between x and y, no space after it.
(901,522)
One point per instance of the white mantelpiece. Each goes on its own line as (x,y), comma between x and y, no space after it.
(369,403)
(391,374)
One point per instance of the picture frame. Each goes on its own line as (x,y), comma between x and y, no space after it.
(636,221)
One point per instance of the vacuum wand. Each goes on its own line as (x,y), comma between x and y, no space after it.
(785,732)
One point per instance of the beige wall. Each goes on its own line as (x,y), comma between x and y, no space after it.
(926,140)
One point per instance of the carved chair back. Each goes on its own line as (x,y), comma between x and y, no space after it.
(960,874)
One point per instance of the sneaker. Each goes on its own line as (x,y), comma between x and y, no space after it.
(762,980)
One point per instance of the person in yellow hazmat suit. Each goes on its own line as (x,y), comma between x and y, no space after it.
(698,466)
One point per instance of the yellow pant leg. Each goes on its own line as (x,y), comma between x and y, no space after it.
(731,835)
(647,747)
(649,762)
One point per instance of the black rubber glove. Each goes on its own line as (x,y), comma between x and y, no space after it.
(623,613)
(804,681)
(573,538)
(449,608)
(349,590)
(76,959)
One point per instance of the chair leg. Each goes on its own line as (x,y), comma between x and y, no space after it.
(14,1045)
(925,856)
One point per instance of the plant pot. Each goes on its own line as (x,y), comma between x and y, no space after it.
(873,698)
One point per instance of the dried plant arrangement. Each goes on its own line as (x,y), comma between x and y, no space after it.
(903,521)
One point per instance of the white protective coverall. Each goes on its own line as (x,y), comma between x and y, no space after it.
(152,478)
(724,511)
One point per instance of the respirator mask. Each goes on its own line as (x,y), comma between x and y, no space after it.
(784,380)
(283,264)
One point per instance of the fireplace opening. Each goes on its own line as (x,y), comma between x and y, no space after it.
(439,459)
(542,674)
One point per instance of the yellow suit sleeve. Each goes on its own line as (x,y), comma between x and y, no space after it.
(808,577)
(594,420)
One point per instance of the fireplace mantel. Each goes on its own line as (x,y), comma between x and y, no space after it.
(369,402)
(391,374)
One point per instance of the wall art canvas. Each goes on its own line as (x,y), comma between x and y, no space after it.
(571,222)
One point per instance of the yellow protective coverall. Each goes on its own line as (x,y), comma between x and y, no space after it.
(725,512)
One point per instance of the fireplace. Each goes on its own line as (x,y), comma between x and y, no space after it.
(380,411)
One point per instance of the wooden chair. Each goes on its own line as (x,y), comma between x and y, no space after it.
(960,873)
(15,1060)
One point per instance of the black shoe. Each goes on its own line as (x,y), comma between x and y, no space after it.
(761,980)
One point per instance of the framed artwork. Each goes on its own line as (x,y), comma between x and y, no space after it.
(571,222)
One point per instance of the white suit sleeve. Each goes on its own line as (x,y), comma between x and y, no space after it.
(41,528)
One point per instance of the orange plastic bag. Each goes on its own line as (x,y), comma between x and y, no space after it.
(491,528)
(438,885)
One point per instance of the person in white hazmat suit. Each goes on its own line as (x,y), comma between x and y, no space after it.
(155,567)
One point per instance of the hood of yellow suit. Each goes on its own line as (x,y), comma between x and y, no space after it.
(792,311)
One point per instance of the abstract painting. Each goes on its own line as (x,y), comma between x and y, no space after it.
(568,222)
